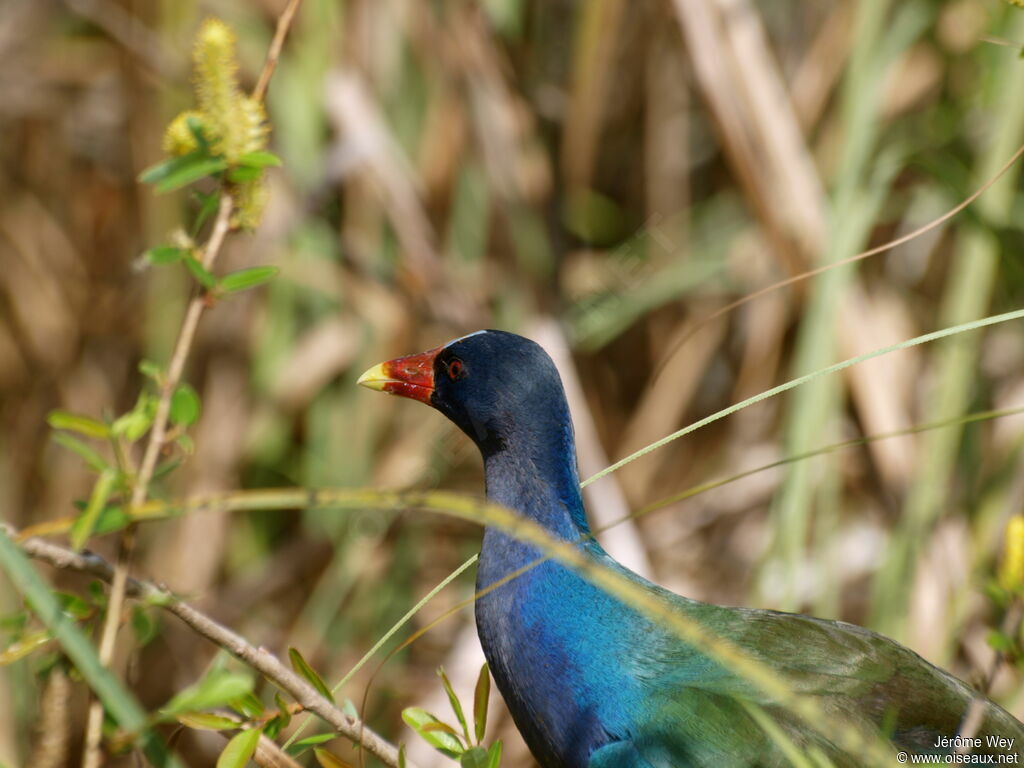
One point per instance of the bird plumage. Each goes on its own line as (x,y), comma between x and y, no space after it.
(592,683)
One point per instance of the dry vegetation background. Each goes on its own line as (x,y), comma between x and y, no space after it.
(602,175)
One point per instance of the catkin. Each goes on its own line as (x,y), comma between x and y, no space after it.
(178,138)
(216,82)
(1011,573)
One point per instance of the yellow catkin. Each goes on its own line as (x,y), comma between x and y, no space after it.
(216,80)
(1018,3)
(254,125)
(1011,573)
(250,200)
(234,124)
(178,138)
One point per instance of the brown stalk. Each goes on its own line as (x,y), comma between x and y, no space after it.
(259,659)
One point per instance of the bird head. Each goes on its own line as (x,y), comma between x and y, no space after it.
(491,384)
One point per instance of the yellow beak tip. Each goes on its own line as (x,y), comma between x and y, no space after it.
(374,378)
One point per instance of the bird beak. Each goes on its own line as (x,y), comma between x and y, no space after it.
(411,376)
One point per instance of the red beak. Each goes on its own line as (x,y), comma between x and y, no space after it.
(411,376)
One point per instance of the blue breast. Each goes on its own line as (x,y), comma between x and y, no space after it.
(560,653)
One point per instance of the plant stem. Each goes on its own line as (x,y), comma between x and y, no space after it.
(258,658)
(108,639)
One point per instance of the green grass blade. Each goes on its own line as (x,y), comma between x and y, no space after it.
(813,412)
(861,188)
(793,383)
(756,673)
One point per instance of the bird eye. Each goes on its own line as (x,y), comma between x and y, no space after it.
(456,370)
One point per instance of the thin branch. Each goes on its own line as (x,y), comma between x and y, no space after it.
(259,659)
(140,488)
(158,432)
(270,755)
(284,23)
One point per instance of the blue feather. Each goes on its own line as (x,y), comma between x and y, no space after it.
(590,682)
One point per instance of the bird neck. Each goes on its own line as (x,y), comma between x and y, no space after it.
(533,472)
(546,631)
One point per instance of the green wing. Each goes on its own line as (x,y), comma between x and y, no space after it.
(699,714)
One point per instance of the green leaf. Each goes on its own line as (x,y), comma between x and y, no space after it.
(207,721)
(273,726)
(494,755)
(182,171)
(996,593)
(97,593)
(166,467)
(164,254)
(77,423)
(329,760)
(303,668)
(243,174)
(150,369)
(248,705)
(160,170)
(195,127)
(199,272)
(185,405)
(441,726)
(87,454)
(246,278)
(190,173)
(144,625)
(138,420)
(439,735)
(112,518)
(238,751)
(302,745)
(73,605)
(401,756)
(163,170)
(132,425)
(282,706)
(23,647)
(259,159)
(476,757)
(481,696)
(207,205)
(1000,641)
(215,690)
(456,704)
(84,524)
(280,721)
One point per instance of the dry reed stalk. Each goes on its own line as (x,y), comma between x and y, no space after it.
(594,52)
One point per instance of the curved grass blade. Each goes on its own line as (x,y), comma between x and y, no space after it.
(848,736)
(793,383)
